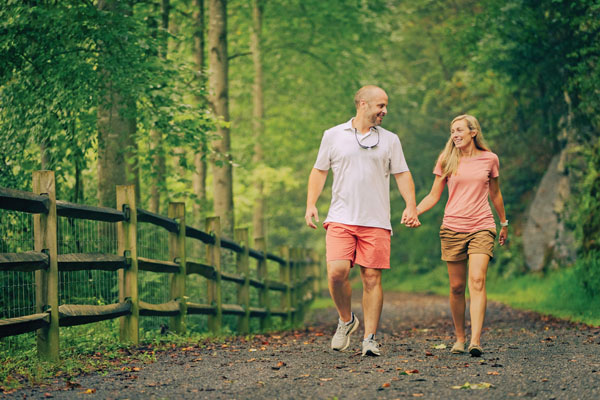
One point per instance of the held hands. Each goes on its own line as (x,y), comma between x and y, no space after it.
(311,211)
(410,217)
(503,235)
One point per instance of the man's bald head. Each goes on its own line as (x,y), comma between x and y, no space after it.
(367,93)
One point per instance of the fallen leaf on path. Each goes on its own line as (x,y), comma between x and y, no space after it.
(72,385)
(428,354)
(440,346)
(409,372)
(90,391)
(467,385)
(48,395)
(279,365)
(387,384)
(252,350)
(417,395)
(493,373)
(325,379)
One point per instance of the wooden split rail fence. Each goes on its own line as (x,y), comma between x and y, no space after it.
(298,269)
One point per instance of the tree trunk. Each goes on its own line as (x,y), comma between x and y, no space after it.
(115,123)
(159,170)
(159,175)
(219,100)
(199,175)
(113,131)
(258,117)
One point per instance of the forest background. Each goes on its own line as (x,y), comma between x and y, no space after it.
(223,104)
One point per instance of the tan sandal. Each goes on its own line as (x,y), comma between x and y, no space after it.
(458,348)
(475,350)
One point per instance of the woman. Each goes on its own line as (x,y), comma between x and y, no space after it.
(468,230)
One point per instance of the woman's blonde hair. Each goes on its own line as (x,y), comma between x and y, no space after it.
(450,155)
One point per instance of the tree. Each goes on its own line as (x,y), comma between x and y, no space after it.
(218,84)
(199,175)
(258,115)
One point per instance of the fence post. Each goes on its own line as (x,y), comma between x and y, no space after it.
(46,281)
(128,278)
(294,255)
(263,275)
(303,284)
(243,291)
(177,254)
(316,272)
(284,276)
(213,256)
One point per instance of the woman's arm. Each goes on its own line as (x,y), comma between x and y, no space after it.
(498,202)
(434,195)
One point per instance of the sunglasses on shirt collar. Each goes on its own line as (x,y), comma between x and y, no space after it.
(362,145)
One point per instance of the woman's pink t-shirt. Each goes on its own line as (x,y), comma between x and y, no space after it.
(468,208)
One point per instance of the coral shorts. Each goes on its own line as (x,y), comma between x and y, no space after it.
(366,246)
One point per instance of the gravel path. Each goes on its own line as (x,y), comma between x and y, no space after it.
(526,355)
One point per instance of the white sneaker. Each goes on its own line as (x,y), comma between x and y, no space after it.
(341,338)
(370,347)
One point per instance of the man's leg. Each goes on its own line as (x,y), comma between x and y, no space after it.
(338,272)
(372,299)
(341,293)
(457,273)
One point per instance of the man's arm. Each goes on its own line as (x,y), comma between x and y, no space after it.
(406,186)
(316,181)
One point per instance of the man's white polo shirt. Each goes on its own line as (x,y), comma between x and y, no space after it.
(361,177)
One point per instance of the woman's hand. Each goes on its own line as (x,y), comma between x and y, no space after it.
(503,235)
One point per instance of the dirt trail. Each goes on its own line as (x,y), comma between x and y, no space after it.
(526,355)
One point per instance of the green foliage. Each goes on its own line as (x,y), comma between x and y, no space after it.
(58,60)
(587,273)
(588,210)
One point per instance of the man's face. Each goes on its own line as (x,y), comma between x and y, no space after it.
(376,108)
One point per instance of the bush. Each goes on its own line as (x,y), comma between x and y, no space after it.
(587,271)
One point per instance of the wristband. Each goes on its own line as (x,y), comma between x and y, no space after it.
(504,224)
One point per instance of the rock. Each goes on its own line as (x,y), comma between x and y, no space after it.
(546,239)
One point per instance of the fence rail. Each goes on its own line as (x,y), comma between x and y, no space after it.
(298,270)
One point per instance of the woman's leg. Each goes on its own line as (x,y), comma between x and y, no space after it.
(457,272)
(478,264)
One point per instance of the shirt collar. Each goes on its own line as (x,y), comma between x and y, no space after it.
(348,126)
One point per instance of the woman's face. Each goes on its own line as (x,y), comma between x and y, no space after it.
(461,135)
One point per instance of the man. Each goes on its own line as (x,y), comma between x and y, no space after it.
(362,156)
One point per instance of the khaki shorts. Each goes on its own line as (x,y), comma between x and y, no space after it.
(456,246)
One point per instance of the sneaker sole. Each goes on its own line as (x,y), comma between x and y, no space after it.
(350,332)
(372,354)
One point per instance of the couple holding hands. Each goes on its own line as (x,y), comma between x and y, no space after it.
(362,156)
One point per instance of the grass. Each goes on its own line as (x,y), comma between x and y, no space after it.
(556,293)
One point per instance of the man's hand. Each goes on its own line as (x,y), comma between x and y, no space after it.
(410,217)
(311,211)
